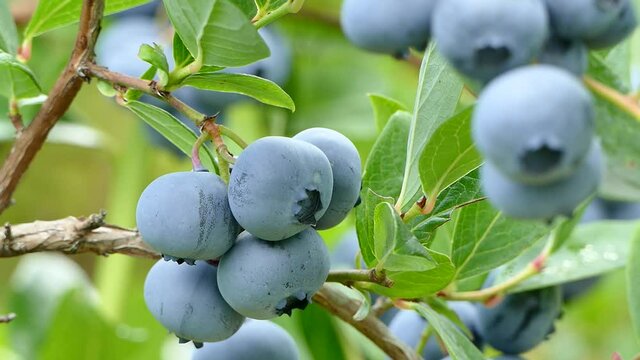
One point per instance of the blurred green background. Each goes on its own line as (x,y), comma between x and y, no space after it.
(85,307)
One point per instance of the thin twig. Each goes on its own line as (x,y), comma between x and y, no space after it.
(330,298)
(60,98)
(73,235)
(628,103)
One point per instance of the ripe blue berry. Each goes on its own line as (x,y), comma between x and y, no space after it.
(265,279)
(520,321)
(387,26)
(256,339)
(483,39)
(582,19)
(186,301)
(572,56)
(535,124)
(346,168)
(280,187)
(186,215)
(617,31)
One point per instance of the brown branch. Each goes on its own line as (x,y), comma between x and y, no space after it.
(72,235)
(343,307)
(62,94)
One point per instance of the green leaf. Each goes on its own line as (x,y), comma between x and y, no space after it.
(617,131)
(484,239)
(217,30)
(155,56)
(384,166)
(416,284)
(181,55)
(382,178)
(457,343)
(449,155)
(463,192)
(172,129)
(396,249)
(16,79)
(383,109)
(633,284)
(365,224)
(256,87)
(53,14)
(439,89)
(8,32)
(92,334)
(591,250)
(248,7)
(566,227)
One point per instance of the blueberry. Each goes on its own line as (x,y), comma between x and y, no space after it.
(255,340)
(483,39)
(265,279)
(118,45)
(186,215)
(618,30)
(596,211)
(570,55)
(149,9)
(501,357)
(279,187)
(575,289)
(520,321)
(186,301)
(622,210)
(346,168)
(387,26)
(560,197)
(408,326)
(535,123)
(582,19)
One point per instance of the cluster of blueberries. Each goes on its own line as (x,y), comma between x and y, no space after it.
(534,124)
(253,245)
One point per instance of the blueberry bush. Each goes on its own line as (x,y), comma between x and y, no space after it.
(291,179)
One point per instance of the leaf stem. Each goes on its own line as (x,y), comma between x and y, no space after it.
(224,157)
(233,136)
(627,103)
(350,277)
(263,18)
(195,153)
(489,294)
(424,338)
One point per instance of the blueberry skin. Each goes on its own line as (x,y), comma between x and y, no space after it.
(387,26)
(408,327)
(542,202)
(520,321)
(618,30)
(346,168)
(582,19)
(483,39)
(265,279)
(118,45)
(279,187)
(534,123)
(256,339)
(572,56)
(575,289)
(186,215)
(622,210)
(186,301)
